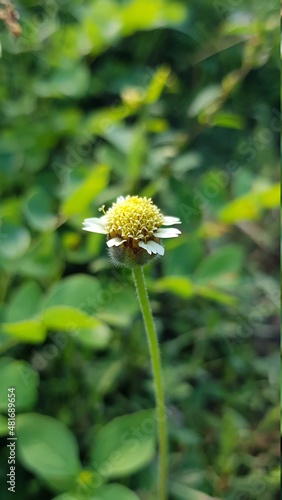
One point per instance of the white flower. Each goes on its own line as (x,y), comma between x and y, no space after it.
(134,223)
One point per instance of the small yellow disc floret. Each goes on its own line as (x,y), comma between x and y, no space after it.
(133,217)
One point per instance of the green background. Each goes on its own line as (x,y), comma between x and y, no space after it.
(177,101)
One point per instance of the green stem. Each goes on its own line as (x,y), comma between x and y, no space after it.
(157,373)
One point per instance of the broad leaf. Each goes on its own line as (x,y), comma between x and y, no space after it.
(125,445)
(21,376)
(47,448)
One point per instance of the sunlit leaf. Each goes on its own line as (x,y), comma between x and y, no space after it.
(243,208)
(177,285)
(144,14)
(157,84)
(270,198)
(31,331)
(84,328)
(249,206)
(211,293)
(67,318)
(228,120)
(94,183)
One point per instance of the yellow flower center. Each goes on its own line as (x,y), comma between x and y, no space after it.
(133,217)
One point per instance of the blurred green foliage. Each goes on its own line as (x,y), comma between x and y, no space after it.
(177,101)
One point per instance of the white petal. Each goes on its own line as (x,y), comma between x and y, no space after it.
(120,198)
(171,232)
(152,247)
(156,248)
(145,246)
(115,242)
(94,228)
(95,220)
(171,220)
(95,225)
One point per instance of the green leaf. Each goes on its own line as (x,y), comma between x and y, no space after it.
(185,162)
(105,375)
(24,303)
(208,292)
(97,24)
(31,331)
(206,97)
(157,84)
(101,122)
(79,200)
(114,491)
(39,261)
(270,198)
(228,120)
(270,420)
(183,492)
(222,266)
(145,14)
(120,306)
(48,449)
(125,445)
(97,337)
(177,285)
(85,329)
(15,241)
(37,208)
(70,81)
(123,139)
(244,208)
(232,427)
(67,318)
(79,291)
(249,206)
(23,378)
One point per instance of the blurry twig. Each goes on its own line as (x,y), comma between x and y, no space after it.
(9,16)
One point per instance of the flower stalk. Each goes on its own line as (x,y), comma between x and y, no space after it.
(140,284)
(134,237)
